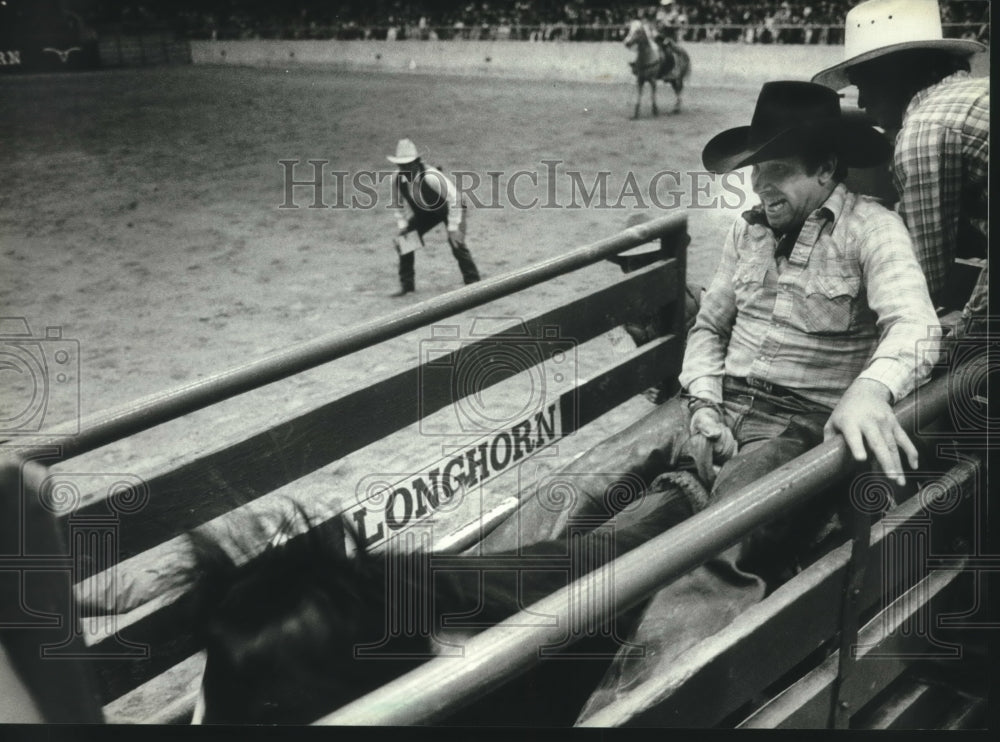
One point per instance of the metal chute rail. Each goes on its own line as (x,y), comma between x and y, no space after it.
(720,676)
(139,665)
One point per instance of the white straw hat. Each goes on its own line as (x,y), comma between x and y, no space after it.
(406,151)
(878,27)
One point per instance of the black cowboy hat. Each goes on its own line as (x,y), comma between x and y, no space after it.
(789,112)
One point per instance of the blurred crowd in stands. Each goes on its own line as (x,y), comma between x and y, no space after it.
(759,21)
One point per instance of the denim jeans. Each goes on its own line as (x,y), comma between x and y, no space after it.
(772,427)
(423,222)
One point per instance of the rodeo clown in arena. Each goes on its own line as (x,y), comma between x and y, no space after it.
(916,83)
(424,198)
(811,326)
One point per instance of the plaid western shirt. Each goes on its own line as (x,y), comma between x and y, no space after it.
(849,301)
(941,168)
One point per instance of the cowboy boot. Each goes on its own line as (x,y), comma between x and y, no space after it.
(465,263)
(407,274)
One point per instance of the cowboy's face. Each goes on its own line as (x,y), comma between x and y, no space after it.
(410,168)
(880,91)
(788,192)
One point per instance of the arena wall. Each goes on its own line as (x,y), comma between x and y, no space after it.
(713,64)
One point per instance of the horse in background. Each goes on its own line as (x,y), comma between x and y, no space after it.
(653,62)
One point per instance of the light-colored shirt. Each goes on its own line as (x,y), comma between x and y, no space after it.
(941,171)
(436,192)
(849,301)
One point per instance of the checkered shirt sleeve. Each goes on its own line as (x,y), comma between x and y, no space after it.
(942,148)
(897,294)
(708,340)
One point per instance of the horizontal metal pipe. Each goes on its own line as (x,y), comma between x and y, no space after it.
(445,684)
(159,408)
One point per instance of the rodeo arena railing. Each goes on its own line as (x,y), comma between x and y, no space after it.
(159,409)
(442,686)
(752,33)
(137,45)
(189,497)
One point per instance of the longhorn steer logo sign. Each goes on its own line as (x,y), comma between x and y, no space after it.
(63,54)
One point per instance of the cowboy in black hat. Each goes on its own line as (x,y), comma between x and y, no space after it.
(809,328)
(818,299)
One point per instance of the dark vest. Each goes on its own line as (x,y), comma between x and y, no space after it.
(427,200)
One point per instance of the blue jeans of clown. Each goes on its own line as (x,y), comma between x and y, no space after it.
(772,427)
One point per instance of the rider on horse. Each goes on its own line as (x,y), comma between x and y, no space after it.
(657,31)
(658,57)
(664,38)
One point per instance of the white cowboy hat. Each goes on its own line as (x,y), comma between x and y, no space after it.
(878,27)
(406,151)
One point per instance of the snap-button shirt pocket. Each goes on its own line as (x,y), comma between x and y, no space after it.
(748,281)
(827,303)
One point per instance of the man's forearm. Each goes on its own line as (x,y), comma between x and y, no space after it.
(706,387)
(897,293)
(704,360)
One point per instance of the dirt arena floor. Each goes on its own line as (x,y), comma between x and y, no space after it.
(141,207)
(140,214)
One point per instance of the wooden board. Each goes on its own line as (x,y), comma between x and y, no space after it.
(195,492)
(167,632)
(39,624)
(721,674)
